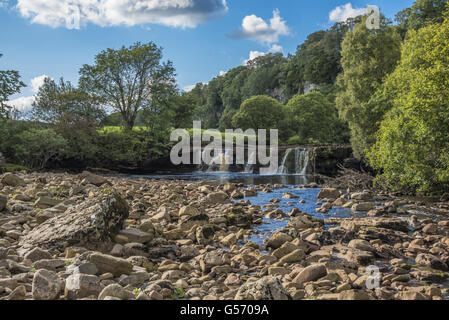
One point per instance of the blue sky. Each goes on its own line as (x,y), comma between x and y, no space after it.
(202,38)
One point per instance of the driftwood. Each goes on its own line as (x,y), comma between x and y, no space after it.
(349,179)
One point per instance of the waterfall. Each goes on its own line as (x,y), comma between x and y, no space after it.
(282,169)
(301,162)
(249,166)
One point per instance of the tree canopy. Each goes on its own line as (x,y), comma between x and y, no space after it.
(129,79)
(412,145)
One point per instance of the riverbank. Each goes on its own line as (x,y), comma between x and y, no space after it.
(90,237)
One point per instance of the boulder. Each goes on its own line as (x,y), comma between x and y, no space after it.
(311,273)
(362,207)
(78,286)
(329,193)
(46,285)
(94,179)
(267,288)
(278,239)
(136,236)
(116,291)
(110,264)
(12,180)
(37,254)
(91,223)
(188,211)
(46,202)
(217,197)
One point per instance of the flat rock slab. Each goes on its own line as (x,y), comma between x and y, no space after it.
(92,222)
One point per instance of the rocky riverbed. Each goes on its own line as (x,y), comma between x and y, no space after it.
(89,237)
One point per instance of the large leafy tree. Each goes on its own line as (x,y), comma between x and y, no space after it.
(314,119)
(130,79)
(421,14)
(368,56)
(9,84)
(73,113)
(259,112)
(412,148)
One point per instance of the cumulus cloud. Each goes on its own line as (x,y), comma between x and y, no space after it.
(38,82)
(24,104)
(189,88)
(74,14)
(254,55)
(257,29)
(344,12)
(275,48)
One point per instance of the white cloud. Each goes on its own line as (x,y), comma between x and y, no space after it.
(189,88)
(344,12)
(254,55)
(173,13)
(38,82)
(257,29)
(24,104)
(275,48)
(222,73)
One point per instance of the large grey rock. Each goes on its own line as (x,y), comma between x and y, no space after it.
(46,285)
(89,224)
(37,254)
(94,179)
(116,291)
(267,288)
(311,273)
(12,180)
(110,264)
(136,235)
(329,193)
(79,286)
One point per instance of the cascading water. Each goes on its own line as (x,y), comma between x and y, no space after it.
(300,165)
(282,168)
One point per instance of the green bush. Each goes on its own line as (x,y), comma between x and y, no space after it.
(36,147)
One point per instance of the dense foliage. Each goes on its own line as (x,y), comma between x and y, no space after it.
(367,57)
(412,146)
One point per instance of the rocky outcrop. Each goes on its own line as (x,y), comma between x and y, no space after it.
(91,223)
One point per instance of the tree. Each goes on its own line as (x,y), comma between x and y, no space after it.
(314,119)
(259,112)
(129,79)
(74,114)
(9,84)
(368,56)
(412,144)
(421,14)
